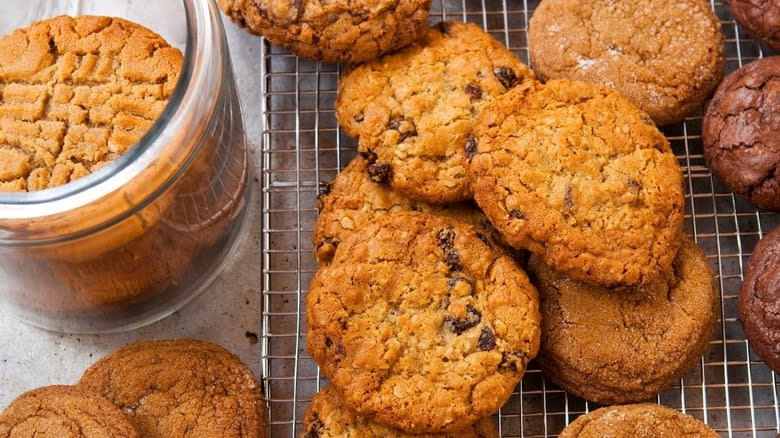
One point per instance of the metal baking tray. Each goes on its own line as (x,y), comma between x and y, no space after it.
(302,149)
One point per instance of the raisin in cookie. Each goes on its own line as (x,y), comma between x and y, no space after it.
(638,342)
(181,388)
(666,56)
(421,325)
(575,173)
(412,110)
(342,31)
(644,420)
(63,412)
(327,417)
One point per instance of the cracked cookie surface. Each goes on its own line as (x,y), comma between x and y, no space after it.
(760,17)
(180,389)
(741,132)
(75,94)
(643,420)
(638,342)
(575,173)
(666,56)
(63,412)
(412,110)
(333,31)
(759,300)
(327,417)
(420,325)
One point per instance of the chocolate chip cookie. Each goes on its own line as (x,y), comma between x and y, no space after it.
(665,56)
(63,412)
(327,417)
(420,324)
(575,173)
(644,420)
(759,300)
(741,133)
(760,17)
(412,110)
(181,388)
(345,31)
(638,342)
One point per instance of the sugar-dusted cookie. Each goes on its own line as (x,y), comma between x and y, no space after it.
(644,420)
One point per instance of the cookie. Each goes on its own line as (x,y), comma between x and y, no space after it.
(639,342)
(420,324)
(760,17)
(327,417)
(76,94)
(644,420)
(349,31)
(759,300)
(412,110)
(740,133)
(575,173)
(63,412)
(181,388)
(665,56)
(352,201)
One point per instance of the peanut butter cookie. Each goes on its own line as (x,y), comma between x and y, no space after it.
(638,342)
(412,110)
(575,173)
(420,324)
(644,420)
(63,412)
(666,56)
(181,388)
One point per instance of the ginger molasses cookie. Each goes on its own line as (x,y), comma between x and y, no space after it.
(181,388)
(643,420)
(759,300)
(666,56)
(341,31)
(620,347)
(420,324)
(760,17)
(741,133)
(327,417)
(76,94)
(575,173)
(412,110)
(63,412)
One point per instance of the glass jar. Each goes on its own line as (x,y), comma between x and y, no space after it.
(140,237)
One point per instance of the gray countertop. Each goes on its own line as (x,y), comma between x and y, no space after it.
(227,313)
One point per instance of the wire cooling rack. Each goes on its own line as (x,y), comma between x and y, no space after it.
(730,389)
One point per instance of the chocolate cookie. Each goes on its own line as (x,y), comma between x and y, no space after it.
(759,300)
(760,17)
(666,56)
(181,388)
(740,133)
(327,417)
(346,31)
(412,110)
(63,412)
(644,420)
(575,173)
(76,94)
(420,324)
(638,342)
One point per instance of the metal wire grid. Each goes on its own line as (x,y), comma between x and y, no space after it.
(731,389)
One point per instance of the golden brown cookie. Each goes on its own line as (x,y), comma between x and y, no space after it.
(63,412)
(327,417)
(412,110)
(575,173)
(181,388)
(420,324)
(626,346)
(343,31)
(644,420)
(76,94)
(666,56)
